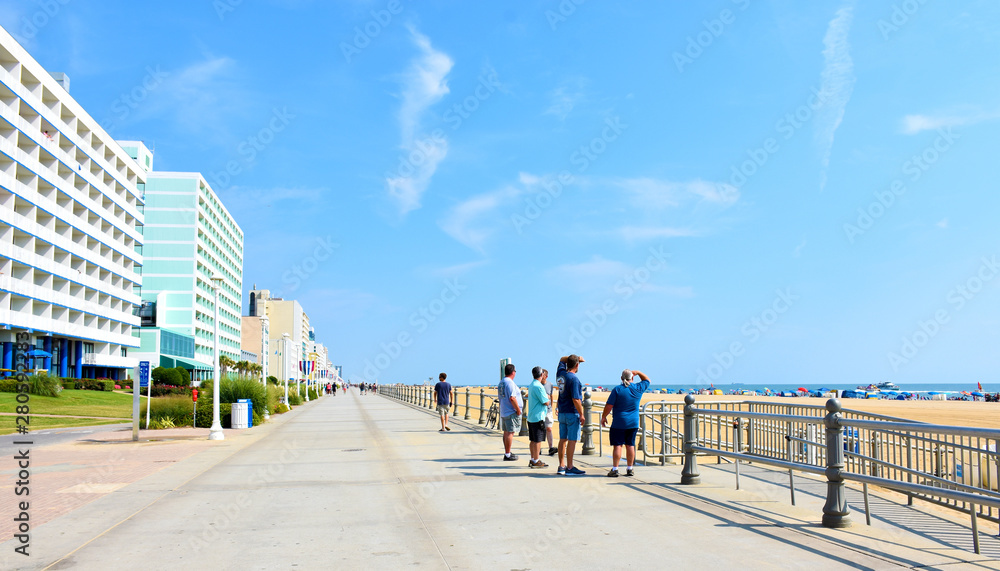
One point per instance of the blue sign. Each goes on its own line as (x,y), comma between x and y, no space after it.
(143,374)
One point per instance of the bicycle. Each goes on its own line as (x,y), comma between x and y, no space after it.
(493,416)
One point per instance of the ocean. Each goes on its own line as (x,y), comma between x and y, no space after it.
(912,388)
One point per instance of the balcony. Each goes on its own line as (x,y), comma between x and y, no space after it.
(112,361)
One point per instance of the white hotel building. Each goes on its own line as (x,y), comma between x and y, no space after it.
(71,219)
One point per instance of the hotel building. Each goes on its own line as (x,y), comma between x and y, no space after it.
(71,222)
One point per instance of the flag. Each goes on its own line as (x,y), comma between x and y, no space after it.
(980,386)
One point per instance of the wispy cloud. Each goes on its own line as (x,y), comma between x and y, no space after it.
(913,124)
(660,194)
(450,271)
(471,222)
(797,252)
(640,233)
(563,99)
(837,84)
(942,224)
(424,84)
(596,273)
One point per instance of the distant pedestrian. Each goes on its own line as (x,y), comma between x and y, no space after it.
(510,410)
(570,407)
(538,403)
(549,419)
(334,389)
(442,397)
(623,404)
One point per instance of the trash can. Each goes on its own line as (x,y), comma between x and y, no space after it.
(247,419)
(238,414)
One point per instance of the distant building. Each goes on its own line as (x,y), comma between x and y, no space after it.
(255,338)
(70,228)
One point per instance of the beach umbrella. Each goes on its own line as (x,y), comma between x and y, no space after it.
(933,393)
(803,390)
(976,394)
(892,393)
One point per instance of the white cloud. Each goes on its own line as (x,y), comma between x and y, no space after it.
(661,194)
(564,98)
(942,224)
(638,233)
(913,124)
(471,222)
(797,252)
(597,273)
(837,84)
(424,84)
(451,271)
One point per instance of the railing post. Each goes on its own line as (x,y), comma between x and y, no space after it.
(467,403)
(876,445)
(431,398)
(588,426)
(690,474)
(482,406)
(836,512)
(454,396)
(524,412)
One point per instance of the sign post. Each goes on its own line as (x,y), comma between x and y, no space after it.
(145,384)
(143,378)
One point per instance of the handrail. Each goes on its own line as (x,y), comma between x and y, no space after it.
(919,427)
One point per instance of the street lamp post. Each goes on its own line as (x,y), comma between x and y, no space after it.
(266,349)
(284,363)
(215,433)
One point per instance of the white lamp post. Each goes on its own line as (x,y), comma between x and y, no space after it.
(284,363)
(265,349)
(215,433)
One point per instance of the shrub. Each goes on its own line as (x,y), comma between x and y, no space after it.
(274,396)
(165,376)
(8,386)
(161,423)
(281,409)
(107,385)
(272,379)
(161,390)
(294,399)
(312,394)
(70,385)
(232,390)
(205,414)
(176,408)
(185,377)
(44,385)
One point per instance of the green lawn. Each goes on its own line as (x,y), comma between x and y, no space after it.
(76,403)
(43,423)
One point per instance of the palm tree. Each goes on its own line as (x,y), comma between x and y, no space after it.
(224,363)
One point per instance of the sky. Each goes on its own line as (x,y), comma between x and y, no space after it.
(729,191)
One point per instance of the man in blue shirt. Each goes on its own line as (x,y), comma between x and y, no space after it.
(442,398)
(624,400)
(570,407)
(510,409)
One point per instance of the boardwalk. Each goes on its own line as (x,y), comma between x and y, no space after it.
(363,482)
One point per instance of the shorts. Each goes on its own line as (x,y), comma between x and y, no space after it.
(548,420)
(569,426)
(442,409)
(622,436)
(536,431)
(510,423)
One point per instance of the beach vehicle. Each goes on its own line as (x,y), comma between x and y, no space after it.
(887,386)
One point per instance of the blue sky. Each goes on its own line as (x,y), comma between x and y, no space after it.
(745,191)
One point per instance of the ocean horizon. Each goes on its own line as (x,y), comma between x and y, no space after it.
(782,387)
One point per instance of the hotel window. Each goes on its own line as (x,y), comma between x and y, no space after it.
(88,348)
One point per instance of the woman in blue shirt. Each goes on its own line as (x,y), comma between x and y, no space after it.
(623,403)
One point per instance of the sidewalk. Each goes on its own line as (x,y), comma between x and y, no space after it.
(360,482)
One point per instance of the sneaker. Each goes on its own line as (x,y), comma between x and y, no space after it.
(574,471)
(630,472)
(448,428)
(613,474)
(510,458)
(553,451)
(538,464)
(561,471)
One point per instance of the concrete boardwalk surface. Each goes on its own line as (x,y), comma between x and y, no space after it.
(363,482)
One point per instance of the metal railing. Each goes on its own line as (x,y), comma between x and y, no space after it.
(953,466)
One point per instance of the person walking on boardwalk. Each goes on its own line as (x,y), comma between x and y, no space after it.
(570,413)
(538,402)
(623,404)
(549,421)
(510,410)
(442,396)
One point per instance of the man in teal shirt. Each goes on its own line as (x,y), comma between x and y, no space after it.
(538,400)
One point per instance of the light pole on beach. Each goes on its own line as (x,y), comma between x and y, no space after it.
(215,433)
(284,364)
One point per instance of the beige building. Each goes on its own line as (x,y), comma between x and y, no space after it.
(255,338)
(285,317)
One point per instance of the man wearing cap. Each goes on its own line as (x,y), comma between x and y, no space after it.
(570,413)
(510,410)
(623,403)
(537,410)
